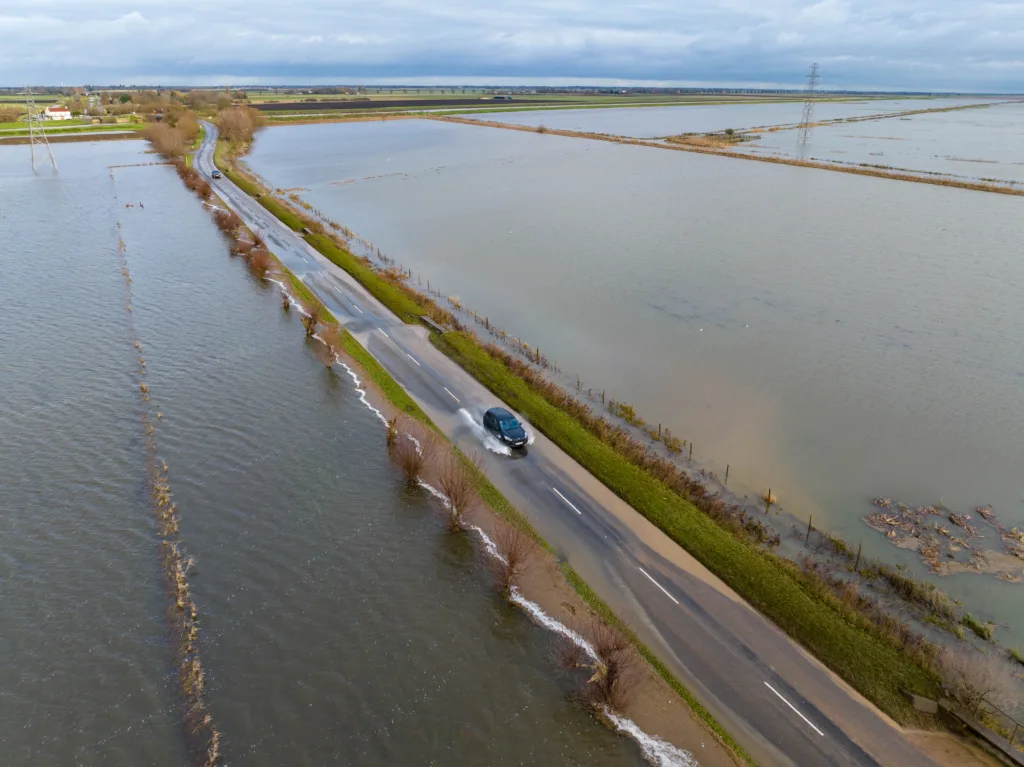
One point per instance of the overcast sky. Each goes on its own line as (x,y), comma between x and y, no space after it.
(974,45)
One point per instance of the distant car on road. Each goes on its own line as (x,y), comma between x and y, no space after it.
(216,174)
(505,427)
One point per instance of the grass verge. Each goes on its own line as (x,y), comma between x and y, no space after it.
(771,584)
(598,606)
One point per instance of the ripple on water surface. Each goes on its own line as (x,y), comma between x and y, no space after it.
(83,662)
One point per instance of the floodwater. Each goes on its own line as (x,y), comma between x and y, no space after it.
(974,143)
(656,122)
(340,623)
(828,336)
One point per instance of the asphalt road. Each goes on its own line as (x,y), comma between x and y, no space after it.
(783,706)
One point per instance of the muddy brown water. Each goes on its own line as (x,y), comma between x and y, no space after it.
(832,337)
(340,624)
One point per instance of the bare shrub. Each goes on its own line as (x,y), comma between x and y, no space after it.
(227,221)
(260,262)
(517,548)
(970,677)
(203,189)
(412,450)
(456,483)
(617,672)
(242,248)
(332,341)
(314,317)
(392,431)
(166,140)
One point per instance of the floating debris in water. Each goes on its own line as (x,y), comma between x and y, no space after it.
(944,551)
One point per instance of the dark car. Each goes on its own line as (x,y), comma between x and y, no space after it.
(505,427)
(216,174)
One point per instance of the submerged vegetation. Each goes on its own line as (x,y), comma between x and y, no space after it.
(182,614)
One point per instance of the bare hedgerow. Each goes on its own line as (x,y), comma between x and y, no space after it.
(456,483)
(968,677)
(517,549)
(617,673)
(412,450)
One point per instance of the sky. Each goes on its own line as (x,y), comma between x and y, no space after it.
(924,45)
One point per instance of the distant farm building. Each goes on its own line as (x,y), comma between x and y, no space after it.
(56,112)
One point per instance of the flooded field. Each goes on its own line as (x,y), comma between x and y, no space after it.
(832,337)
(340,624)
(973,143)
(658,122)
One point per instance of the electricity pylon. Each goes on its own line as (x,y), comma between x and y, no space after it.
(808,115)
(36,134)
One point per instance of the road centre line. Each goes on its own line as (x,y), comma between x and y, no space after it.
(413,359)
(794,709)
(385,334)
(567,501)
(658,585)
(452,395)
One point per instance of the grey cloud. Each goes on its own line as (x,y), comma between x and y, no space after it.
(898,44)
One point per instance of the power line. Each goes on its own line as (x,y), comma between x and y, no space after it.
(36,134)
(805,120)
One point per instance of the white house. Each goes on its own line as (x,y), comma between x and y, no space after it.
(56,112)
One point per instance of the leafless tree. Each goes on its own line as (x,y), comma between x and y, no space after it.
(313,318)
(517,549)
(617,672)
(412,449)
(457,485)
(968,677)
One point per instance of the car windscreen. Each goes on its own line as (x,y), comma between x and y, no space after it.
(509,423)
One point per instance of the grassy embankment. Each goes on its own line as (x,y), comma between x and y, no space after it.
(397,396)
(843,640)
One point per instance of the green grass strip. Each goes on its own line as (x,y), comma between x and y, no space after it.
(387,293)
(772,585)
(598,606)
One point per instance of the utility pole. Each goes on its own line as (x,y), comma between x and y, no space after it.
(36,134)
(805,120)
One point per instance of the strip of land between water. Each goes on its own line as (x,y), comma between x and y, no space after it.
(868,661)
(857,170)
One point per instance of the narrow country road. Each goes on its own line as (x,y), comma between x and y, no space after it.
(783,706)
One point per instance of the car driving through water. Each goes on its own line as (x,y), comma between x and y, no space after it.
(503,425)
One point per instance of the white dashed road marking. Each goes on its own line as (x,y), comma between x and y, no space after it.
(567,501)
(658,585)
(794,709)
